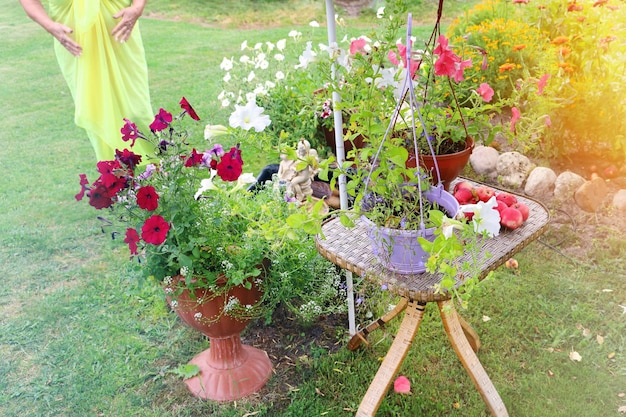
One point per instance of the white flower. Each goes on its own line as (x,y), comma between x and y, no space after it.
(307,57)
(226,77)
(263,64)
(280,75)
(244,59)
(486,218)
(294,34)
(270,46)
(251,76)
(387,78)
(258,46)
(227,64)
(314,24)
(250,96)
(197,316)
(244,45)
(243,180)
(269,85)
(225,102)
(281,44)
(212,131)
(206,185)
(448,225)
(249,116)
(380,13)
(279,57)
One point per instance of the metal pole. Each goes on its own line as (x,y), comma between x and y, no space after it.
(341,155)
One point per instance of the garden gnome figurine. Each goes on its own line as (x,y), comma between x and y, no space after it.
(298,182)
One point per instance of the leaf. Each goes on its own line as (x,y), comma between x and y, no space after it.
(575,356)
(186,371)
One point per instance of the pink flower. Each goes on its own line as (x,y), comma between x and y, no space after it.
(393,58)
(542,83)
(402,385)
(548,121)
(485,91)
(520,1)
(357,46)
(515,115)
(459,67)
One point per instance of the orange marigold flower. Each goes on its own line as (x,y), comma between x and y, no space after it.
(574,7)
(559,40)
(600,3)
(506,67)
(519,47)
(564,51)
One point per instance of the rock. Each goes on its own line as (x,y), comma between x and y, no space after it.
(591,194)
(484,160)
(513,168)
(566,184)
(619,200)
(540,183)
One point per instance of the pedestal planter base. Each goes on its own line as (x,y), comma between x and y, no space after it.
(229,370)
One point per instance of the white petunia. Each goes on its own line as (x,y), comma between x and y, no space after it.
(281,44)
(206,185)
(227,77)
(380,13)
(294,34)
(249,116)
(279,57)
(243,180)
(314,24)
(486,218)
(270,46)
(212,131)
(227,64)
(244,45)
(258,46)
(280,75)
(251,76)
(307,57)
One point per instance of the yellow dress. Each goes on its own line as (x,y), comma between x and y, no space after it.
(109,81)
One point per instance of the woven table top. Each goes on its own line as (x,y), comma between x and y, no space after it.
(349,248)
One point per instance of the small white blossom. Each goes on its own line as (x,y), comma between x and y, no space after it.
(184,271)
(251,76)
(258,46)
(307,57)
(174,303)
(380,13)
(197,316)
(281,44)
(227,265)
(231,304)
(227,64)
(314,24)
(279,57)
(244,59)
(294,34)
(270,46)
(244,45)
(225,102)
(226,77)
(280,75)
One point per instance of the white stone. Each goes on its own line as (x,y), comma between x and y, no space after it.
(513,168)
(484,160)
(566,184)
(619,200)
(540,183)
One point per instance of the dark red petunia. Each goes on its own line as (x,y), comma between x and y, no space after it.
(147,198)
(132,238)
(184,104)
(154,230)
(161,120)
(83,187)
(230,167)
(194,160)
(99,197)
(128,158)
(129,132)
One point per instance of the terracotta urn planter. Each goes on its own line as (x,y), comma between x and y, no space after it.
(229,370)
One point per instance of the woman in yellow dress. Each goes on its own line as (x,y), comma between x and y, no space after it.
(101,55)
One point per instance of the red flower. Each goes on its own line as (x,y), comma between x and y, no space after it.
(184,104)
(147,198)
(99,197)
(161,121)
(110,177)
(194,160)
(83,188)
(129,132)
(132,237)
(230,167)
(128,158)
(154,230)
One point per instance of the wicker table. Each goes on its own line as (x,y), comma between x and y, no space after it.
(350,250)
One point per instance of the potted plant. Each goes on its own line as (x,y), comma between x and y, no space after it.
(221,253)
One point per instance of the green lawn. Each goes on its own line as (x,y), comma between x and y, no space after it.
(79,336)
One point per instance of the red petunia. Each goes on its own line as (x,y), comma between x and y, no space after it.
(184,104)
(161,121)
(147,198)
(230,167)
(132,238)
(154,230)
(83,187)
(129,132)
(128,158)
(99,197)
(194,159)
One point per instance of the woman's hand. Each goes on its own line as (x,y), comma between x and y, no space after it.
(61,33)
(129,15)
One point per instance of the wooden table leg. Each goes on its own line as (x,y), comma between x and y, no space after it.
(469,359)
(361,336)
(393,360)
(470,333)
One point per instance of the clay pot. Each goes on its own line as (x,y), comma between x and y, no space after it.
(229,370)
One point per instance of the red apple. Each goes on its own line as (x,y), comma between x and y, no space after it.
(511,218)
(501,206)
(508,198)
(465,196)
(523,208)
(462,184)
(484,193)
